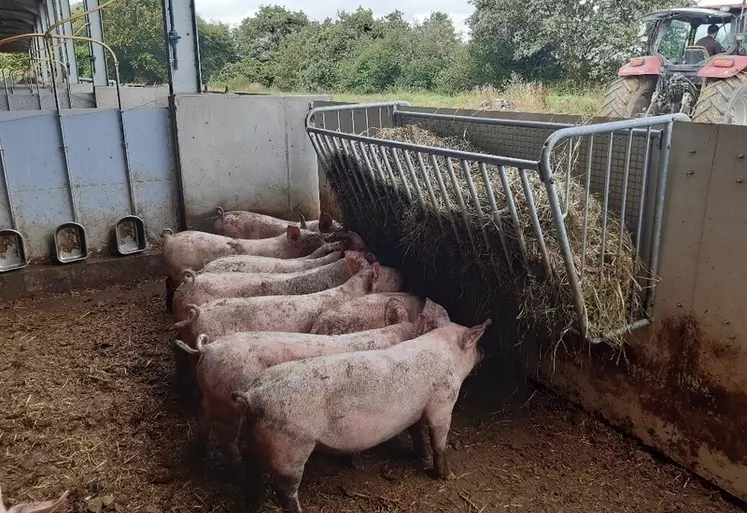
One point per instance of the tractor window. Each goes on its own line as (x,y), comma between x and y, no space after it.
(723,36)
(673,42)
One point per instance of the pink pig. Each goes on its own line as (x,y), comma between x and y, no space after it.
(364,313)
(192,249)
(251,225)
(257,264)
(278,313)
(198,289)
(350,402)
(232,362)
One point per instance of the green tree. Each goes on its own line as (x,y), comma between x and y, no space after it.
(217,47)
(581,41)
(259,36)
(134,30)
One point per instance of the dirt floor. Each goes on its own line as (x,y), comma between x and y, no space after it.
(87,405)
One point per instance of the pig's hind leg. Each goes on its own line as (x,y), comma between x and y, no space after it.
(285,458)
(439,422)
(419,444)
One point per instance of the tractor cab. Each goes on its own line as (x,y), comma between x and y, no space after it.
(675,74)
(673,34)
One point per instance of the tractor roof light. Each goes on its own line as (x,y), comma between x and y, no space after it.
(725,8)
(638,61)
(723,63)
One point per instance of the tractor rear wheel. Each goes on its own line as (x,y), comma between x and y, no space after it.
(723,101)
(628,97)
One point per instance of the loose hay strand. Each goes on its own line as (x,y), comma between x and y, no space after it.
(480,215)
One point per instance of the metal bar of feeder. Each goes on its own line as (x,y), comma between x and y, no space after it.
(476,200)
(661,194)
(429,188)
(568,177)
(445,195)
(623,208)
(336,157)
(605,206)
(460,200)
(350,149)
(390,172)
(613,126)
(398,164)
(587,190)
(414,177)
(642,208)
(341,108)
(382,176)
(441,152)
(535,220)
(482,120)
(496,213)
(366,162)
(514,214)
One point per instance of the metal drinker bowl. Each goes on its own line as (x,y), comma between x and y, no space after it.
(12,251)
(130,234)
(70,243)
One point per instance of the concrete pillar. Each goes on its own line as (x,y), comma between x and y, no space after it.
(96,31)
(180,31)
(69,47)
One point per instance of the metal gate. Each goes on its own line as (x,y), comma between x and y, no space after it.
(394,170)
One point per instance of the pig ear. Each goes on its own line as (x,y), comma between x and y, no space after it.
(302,221)
(353,241)
(294,235)
(38,507)
(376,268)
(325,223)
(354,261)
(395,312)
(423,326)
(473,336)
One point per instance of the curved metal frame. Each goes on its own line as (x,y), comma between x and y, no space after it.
(324,140)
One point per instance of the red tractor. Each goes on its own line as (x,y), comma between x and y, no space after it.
(678,76)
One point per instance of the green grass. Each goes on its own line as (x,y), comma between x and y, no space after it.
(524,97)
(585,103)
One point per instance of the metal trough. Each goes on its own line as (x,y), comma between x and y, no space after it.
(70,243)
(12,251)
(130,234)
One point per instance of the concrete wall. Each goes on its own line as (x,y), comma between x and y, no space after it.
(246,153)
(35,170)
(682,384)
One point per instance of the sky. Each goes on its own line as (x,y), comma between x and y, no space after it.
(233,11)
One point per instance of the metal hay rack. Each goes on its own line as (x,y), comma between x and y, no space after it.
(623,163)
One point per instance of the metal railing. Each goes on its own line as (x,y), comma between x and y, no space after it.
(505,190)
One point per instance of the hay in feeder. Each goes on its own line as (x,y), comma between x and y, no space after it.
(494,254)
